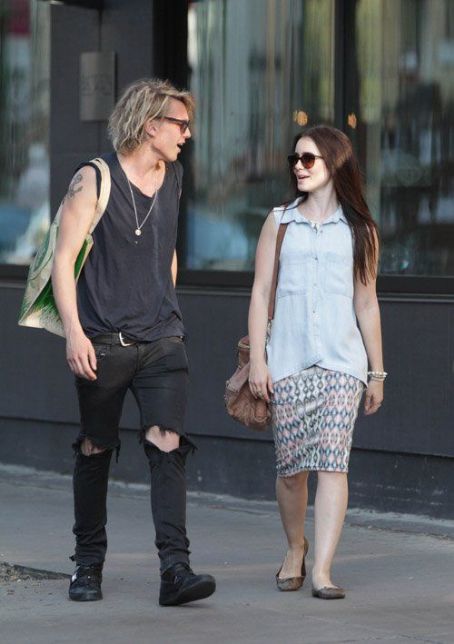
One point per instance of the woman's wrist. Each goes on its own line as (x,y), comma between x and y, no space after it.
(377,375)
(255,358)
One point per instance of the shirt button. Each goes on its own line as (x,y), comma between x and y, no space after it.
(316,258)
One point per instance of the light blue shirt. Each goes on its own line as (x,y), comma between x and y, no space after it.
(314,321)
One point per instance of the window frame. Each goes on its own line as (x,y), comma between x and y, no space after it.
(386,284)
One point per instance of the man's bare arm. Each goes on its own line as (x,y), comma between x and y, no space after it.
(77,215)
(174,269)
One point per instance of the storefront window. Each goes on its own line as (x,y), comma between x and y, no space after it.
(401,103)
(260,70)
(24,126)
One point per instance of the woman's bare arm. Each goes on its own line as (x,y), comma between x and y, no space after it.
(259,379)
(368,315)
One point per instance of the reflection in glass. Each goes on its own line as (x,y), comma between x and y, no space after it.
(260,70)
(24,125)
(402,92)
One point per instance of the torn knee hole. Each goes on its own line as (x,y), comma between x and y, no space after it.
(88,449)
(163,438)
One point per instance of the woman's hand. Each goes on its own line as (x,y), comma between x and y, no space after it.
(374,397)
(260,382)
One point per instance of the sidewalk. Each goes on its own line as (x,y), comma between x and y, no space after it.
(398,571)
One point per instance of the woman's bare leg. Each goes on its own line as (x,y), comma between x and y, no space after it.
(330,506)
(291,493)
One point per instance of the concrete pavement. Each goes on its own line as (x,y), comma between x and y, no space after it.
(398,571)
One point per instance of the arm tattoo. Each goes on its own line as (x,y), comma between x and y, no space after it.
(72,190)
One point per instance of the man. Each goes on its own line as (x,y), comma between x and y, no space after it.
(124,331)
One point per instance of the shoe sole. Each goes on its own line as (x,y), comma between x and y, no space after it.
(201,590)
(86,598)
(327,596)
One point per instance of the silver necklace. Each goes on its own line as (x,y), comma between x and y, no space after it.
(138,230)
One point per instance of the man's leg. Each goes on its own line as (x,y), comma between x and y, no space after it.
(168,494)
(100,404)
(160,387)
(166,452)
(90,480)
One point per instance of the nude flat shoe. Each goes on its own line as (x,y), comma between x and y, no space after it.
(328,592)
(293,583)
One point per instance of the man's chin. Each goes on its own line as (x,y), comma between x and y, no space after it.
(170,158)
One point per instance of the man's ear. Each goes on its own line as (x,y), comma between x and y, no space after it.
(151,127)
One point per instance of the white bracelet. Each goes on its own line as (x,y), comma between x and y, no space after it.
(377,375)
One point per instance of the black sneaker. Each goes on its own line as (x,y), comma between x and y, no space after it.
(179,585)
(85,584)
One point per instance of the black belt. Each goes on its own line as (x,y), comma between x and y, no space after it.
(114,338)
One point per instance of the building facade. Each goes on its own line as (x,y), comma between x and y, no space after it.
(381,70)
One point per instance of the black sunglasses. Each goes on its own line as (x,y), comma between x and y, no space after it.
(307,159)
(181,122)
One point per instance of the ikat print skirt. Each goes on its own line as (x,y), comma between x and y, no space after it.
(313,416)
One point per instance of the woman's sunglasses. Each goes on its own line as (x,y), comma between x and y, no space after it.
(307,159)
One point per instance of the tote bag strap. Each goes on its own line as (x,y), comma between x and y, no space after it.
(104,192)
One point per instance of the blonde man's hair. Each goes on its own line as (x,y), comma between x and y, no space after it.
(145,99)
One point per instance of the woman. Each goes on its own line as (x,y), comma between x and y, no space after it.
(313,367)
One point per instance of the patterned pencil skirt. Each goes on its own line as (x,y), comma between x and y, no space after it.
(313,416)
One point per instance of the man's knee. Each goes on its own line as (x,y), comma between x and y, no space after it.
(164,439)
(88,449)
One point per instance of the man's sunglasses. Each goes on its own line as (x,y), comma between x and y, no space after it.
(181,122)
(307,159)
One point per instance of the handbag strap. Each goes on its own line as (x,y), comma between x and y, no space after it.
(279,239)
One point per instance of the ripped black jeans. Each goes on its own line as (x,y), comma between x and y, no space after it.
(156,373)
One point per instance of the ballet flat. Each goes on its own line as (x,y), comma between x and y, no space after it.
(293,583)
(328,592)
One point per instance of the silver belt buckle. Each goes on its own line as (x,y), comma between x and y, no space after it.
(122,342)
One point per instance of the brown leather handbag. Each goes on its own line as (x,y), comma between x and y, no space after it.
(241,405)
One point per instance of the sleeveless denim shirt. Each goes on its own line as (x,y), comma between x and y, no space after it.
(315,321)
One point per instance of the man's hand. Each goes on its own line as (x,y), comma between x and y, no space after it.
(374,397)
(80,355)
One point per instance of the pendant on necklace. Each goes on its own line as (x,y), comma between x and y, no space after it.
(138,232)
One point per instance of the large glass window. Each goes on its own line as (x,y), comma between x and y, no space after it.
(400,79)
(260,70)
(24,126)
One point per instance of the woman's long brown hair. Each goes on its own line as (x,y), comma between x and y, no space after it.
(337,152)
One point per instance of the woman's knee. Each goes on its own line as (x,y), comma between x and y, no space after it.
(294,482)
(331,479)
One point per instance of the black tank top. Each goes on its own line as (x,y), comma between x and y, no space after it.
(126,284)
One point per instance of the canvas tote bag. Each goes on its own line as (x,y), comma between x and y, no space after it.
(38,306)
